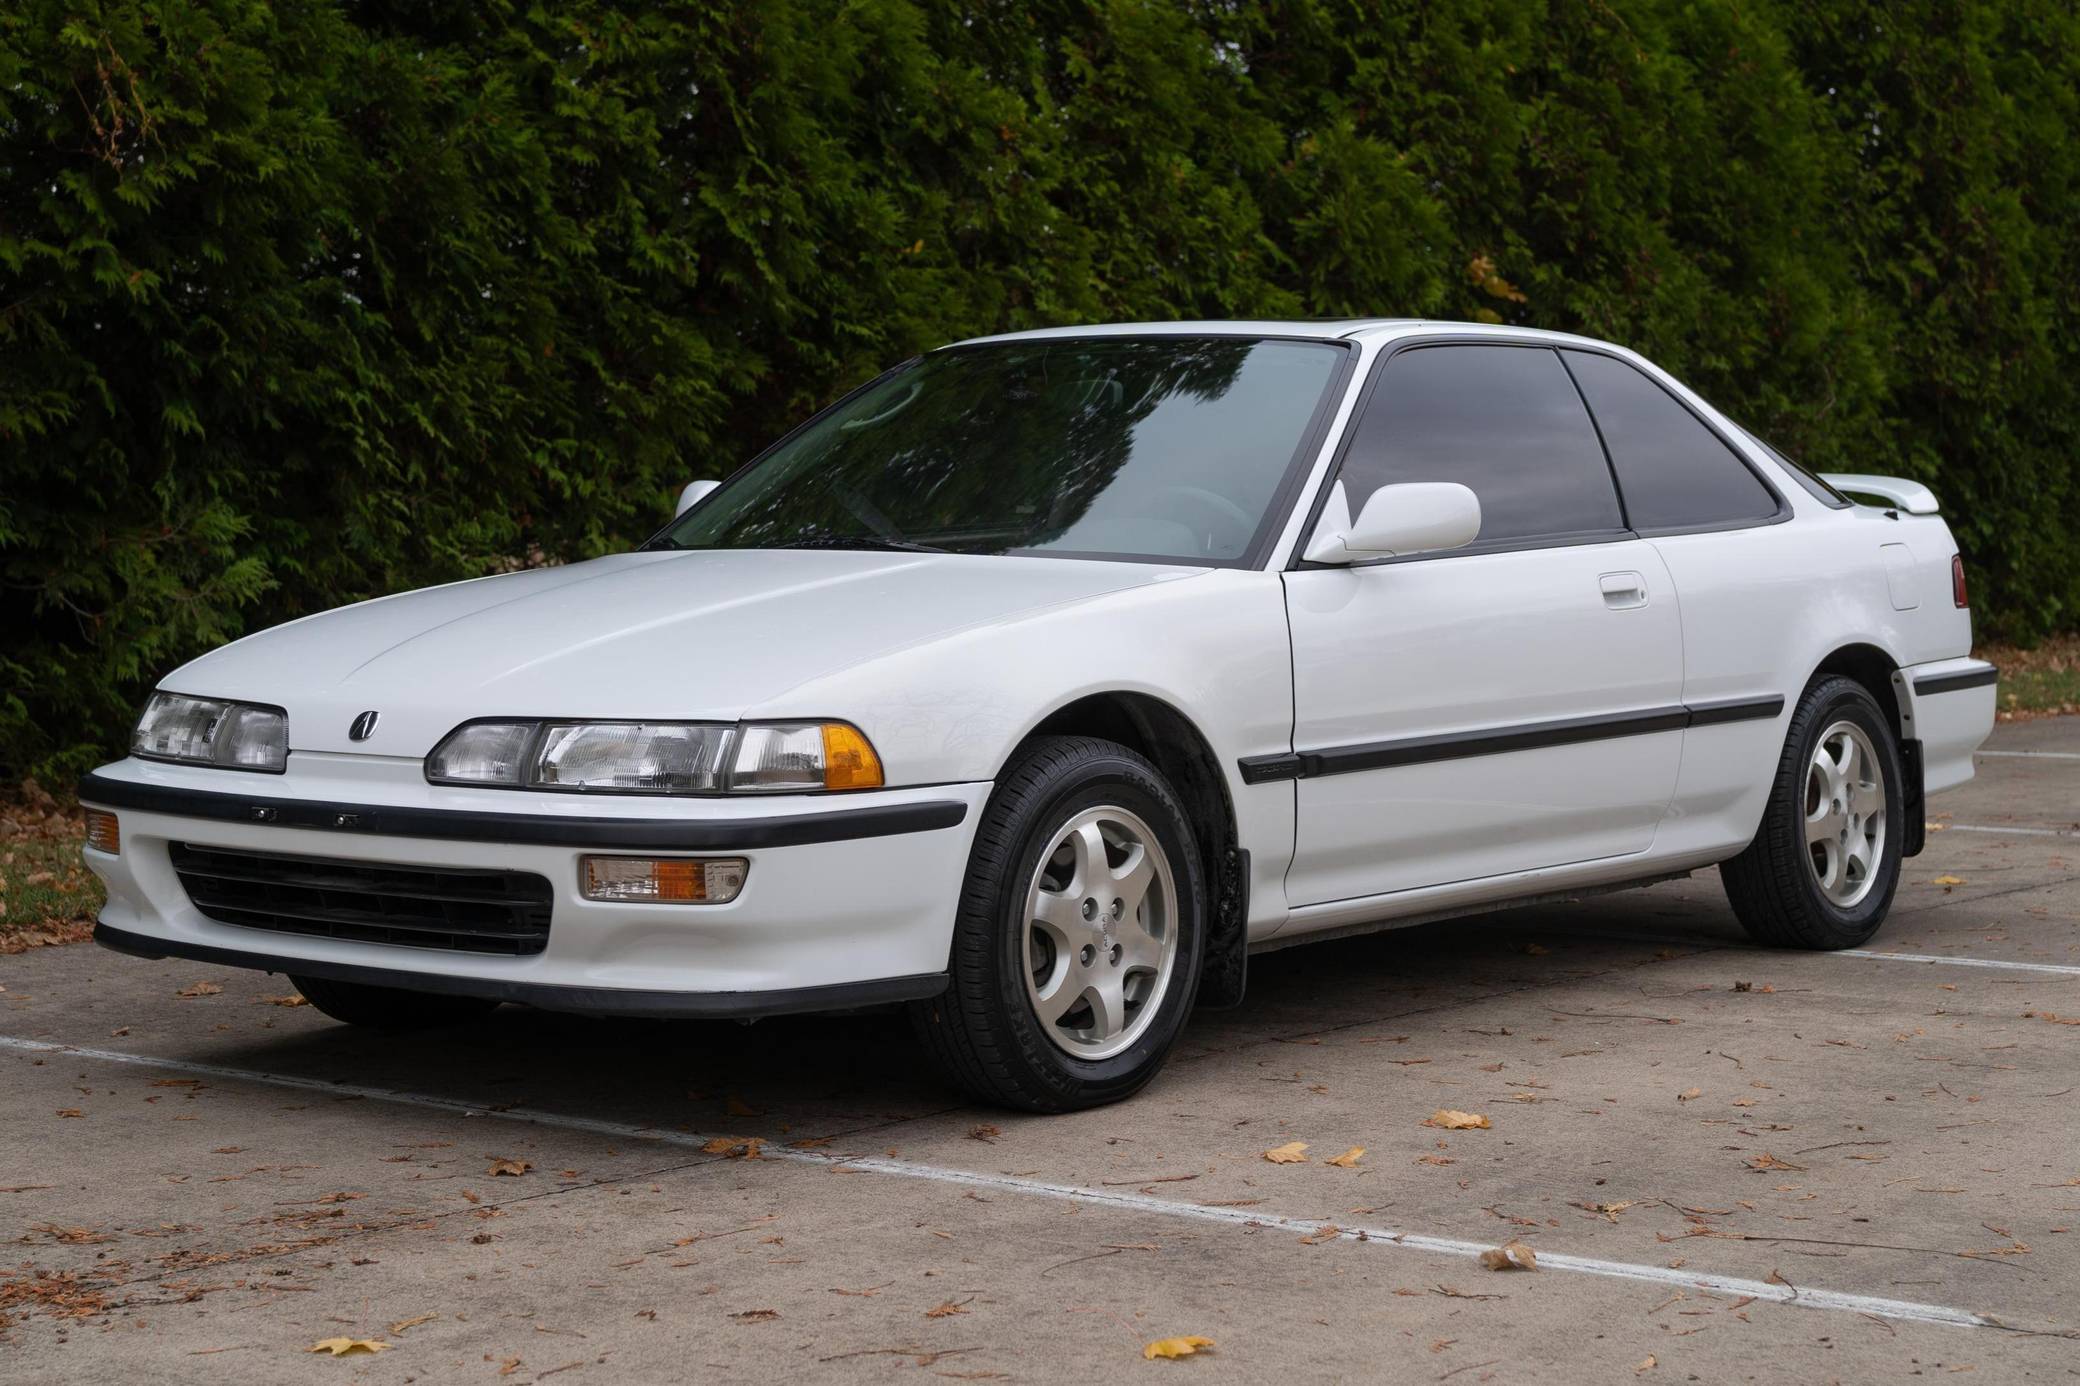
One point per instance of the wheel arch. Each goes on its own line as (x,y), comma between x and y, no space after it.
(1882,677)
(1154,728)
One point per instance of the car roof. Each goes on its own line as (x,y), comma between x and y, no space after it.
(1316,329)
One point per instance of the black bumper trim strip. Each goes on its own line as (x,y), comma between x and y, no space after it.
(1529,736)
(527,829)
(660,1005)
(1951,683)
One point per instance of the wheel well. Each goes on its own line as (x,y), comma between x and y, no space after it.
(1873,668)
(1168,738)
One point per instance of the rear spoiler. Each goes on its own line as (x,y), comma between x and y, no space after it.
(1910,496)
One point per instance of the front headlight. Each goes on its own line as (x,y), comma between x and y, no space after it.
(657,757)
(212,731)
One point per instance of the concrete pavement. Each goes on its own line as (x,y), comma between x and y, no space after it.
(1734,1164)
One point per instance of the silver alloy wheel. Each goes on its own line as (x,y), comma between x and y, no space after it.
(1100,932)
(1845,814)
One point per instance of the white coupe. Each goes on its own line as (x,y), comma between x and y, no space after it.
(1040,681)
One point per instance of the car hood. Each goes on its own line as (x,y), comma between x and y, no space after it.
(705,635)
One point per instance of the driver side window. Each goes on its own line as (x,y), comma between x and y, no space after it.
(1505,421)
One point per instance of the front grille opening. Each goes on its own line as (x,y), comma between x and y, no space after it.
(464,910)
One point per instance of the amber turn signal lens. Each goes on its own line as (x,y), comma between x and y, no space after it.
(848,761)
(662,880)
(103,834)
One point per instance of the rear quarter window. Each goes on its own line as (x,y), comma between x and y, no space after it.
(1673,472)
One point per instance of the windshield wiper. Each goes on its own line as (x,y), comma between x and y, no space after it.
(870,542)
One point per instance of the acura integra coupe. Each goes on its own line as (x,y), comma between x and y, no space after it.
(1038,682)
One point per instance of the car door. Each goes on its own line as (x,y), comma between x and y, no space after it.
(1511,705)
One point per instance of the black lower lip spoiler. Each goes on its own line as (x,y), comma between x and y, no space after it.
(527,829)
(604,1001)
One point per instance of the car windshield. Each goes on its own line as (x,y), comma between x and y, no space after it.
(1170,448)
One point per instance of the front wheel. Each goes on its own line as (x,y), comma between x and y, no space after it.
(1825,862)
(1076,950)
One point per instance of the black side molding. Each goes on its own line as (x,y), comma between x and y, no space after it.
(659,1005)
(529,829)
(1951,683)
(1526,736)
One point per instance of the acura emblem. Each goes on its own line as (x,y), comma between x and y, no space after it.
(364,726)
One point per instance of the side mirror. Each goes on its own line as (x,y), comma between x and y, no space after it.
(694,494)
(1412,517)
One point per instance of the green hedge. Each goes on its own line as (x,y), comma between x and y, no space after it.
(309,301)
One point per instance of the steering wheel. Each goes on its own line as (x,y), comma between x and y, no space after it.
(1226,514)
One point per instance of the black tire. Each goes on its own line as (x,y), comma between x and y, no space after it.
(982,1031)
(1772,884)
(390,1008)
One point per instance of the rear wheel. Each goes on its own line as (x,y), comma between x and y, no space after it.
(1076,950)
(390,1008)
(1823,867)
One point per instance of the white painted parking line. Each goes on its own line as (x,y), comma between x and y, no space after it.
(2055,969)
(2019,832)
(2032,755)
(1767,1291)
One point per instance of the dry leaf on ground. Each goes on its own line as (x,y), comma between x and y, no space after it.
(413,1322)
(1327,1232)
(1947,880)
(947,1310)
(1510,1256)
(1176,1347)
(1450,1120)
(514,1168)
(347,1347)
(1768,1161)
(199,989)
(1349,1157)
(737,1148)
(738,1107)
(756,1315)
(1291,1153)
(1689,1094)
(290,1000)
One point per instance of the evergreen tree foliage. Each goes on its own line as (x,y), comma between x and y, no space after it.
(307,301)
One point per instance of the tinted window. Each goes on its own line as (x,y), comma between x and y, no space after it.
(1505,421)
(1799,473)
(1170,447)
(1674,471)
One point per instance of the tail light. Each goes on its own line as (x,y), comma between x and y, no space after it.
(1957,592)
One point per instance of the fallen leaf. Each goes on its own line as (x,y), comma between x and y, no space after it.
(513,1168)
(1176,1347)
(947,1310)
(347,1347)
(1689,1094)
(1509,1256)
(1349,1157)
(1768,1161)
(1947,880)
(1291,1153)
(1648,1365)
(1450,1120)
(70,1112)
(984,1133)
(1327,1232)
(211,989)
(745,1148)
(402,1324)
(756,1315)
(738,1107)
(290,1000)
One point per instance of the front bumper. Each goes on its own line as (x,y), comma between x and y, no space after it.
(849,900)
